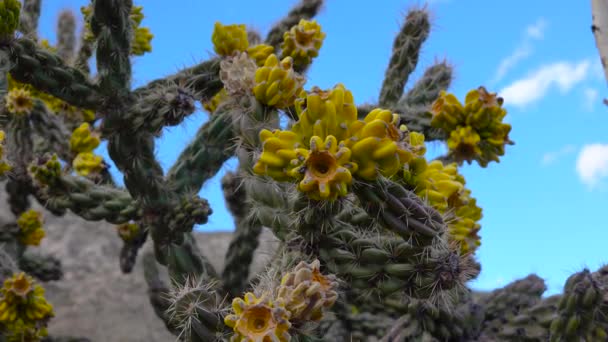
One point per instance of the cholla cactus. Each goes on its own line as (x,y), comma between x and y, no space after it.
(377,241)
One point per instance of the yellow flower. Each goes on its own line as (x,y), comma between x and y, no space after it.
(218,98)
(22,303)
(228,39)
(30,228)
(141,41)
(86,163)
(307,292)
(475,130)
(83,140)
(448,112)
(19,101)
(303,42)
(324,170)
(258,319)
(464,144)
(127,231)
(276,83)
(325,112)
(279,149)
(379,147)
(260,52)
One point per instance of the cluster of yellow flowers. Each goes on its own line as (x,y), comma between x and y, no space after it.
(4,165)
(303,42)
(301,297)
(24,311)
(444,189)
(30,228)
(83,142)
(277,84)
(46,171)
(142,37)
(476,131)
(328,145)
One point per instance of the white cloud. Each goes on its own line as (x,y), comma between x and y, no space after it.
(532,88)
(592,164)
(524,49)
(591,98)
(537,30)
(551,157)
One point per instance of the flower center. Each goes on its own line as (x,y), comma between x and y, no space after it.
(259,320)
(21,286)
(322,164)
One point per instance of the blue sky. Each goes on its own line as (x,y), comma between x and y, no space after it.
(543,204)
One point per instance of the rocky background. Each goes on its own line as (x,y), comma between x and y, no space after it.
(95,299)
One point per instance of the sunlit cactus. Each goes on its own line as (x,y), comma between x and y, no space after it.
(377,240)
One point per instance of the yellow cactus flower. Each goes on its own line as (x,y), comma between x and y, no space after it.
(218,98)
(279,149)
(83,140)
(46,170)
(9,12)
(379,147)
(127,231)
(448,112)
(22,303)
(141,42)
(228,39)
(324,170)
(307,292)
(303,42)
(325,112)
(30,228)
(464,144)
(258,319)
(276,83)
(475,130)
(87,163)
(259,53)
(19,101)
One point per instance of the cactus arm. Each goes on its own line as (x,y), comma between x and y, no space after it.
(404,58)
(43,267)
(28,23)
(414,106)
(93,202)
(66,36)
(204,156)
(202,78)
(306,9)
(85,51)
(111,26)
(401,211)
(244,240)
(48,73)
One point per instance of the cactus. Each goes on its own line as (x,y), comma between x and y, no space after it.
(377,242)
